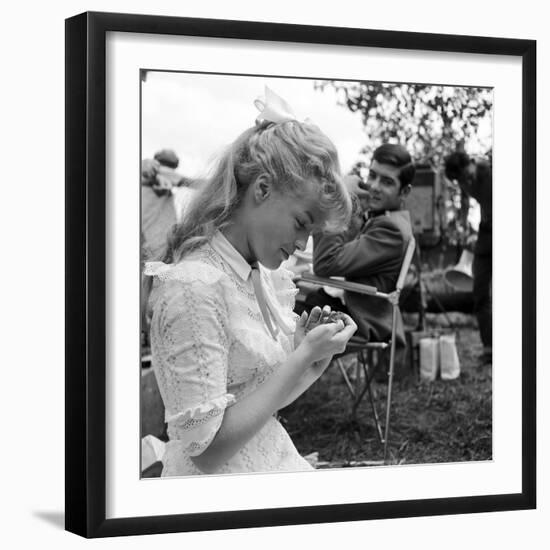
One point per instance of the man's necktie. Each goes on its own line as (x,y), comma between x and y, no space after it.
(258,290)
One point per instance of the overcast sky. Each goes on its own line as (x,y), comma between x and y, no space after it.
(198,115)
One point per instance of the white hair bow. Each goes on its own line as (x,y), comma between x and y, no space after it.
(273,108)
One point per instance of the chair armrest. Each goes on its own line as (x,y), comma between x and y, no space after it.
(309,277)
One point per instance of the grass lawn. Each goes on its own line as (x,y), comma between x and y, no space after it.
(441,421)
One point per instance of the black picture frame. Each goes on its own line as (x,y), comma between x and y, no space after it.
(86,273)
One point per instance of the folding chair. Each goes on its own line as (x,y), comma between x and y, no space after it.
(362,348)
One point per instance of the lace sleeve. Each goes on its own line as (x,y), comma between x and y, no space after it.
(190,353)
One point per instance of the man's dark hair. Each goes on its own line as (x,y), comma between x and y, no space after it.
(455,164)
(398,156)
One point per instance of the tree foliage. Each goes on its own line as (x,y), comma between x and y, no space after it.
(431,122)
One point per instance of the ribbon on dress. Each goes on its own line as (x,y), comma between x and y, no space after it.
(260,297)
(271,310)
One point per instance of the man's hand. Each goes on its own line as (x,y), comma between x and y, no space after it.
(352,184)
(356,186)
(360,195)
(162,185)
(166,179)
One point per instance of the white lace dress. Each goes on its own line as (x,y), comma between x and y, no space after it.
(210,349)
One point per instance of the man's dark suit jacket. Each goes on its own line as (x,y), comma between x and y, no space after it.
(482,191)
(370,255)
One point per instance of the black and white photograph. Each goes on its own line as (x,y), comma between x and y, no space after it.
(315,273)
(275,275)
(281,257)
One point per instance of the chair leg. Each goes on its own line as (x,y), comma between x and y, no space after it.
(367,389)
(358,373)
(373,406)
(346,378)
(359,391)
(390,381)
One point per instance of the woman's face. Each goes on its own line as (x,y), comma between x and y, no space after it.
(281,222)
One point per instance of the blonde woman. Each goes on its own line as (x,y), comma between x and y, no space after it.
(227,350)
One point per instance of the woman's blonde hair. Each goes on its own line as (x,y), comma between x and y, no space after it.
(287,154)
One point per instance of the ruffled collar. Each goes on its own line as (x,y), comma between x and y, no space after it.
(243,269)
(219,244)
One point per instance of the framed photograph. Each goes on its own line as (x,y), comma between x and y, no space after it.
(154,108)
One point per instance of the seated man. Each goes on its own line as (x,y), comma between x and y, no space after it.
(371,251)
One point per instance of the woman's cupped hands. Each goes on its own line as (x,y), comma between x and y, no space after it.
(323,333)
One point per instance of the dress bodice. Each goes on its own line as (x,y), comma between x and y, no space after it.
(211,348)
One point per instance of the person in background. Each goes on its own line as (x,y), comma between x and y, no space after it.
(371,251)
(164,196)
(475,179)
